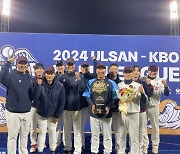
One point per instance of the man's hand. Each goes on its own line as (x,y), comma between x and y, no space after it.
(93,57)
(39,81)
(93,109)
(55,120)
(107,110)
(120,102)
(141,90)
(77,75)
(164,82)
(11,59)
(148,81)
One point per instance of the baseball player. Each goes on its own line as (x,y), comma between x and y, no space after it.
(148,88)
(38,69)
(113,75)
(50,96)
(19,86)
(60,69)
(85,72)
(102,90)
(74,85)
(130,121)
(160,86)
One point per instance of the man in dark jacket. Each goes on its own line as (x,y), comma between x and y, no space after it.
(85,71)
(19,96)
(50,97)
(100,95)
(60,70)
(114,75)
(39,70)
(74,86)
(148,88)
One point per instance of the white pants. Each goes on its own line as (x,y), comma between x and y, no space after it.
(72,118)
(96,125)
(129,123)
(116,124)
(143,136)
(58,130)
(34,123)
(84,116)
(43,124)
(153,116)
(17,123)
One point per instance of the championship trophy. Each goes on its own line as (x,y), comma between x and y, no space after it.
(99,87)
(99,104)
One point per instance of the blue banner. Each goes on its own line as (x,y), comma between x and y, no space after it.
(163,51)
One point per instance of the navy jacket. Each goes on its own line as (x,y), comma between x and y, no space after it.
(87,76)
(50,99)
(115,104)
(148,91)
(34,101)
(73,90)
(19,89)
(109,96)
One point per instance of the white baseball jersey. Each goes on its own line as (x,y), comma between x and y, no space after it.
(134,106)
(158,89)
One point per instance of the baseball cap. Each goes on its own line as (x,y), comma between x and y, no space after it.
(70,61)
(21,59)
(128,69)
(153,68)
(101,66)
(50,69)
(38,65)
(59,63)
(85,64)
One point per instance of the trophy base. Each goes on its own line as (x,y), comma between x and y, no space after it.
(100,111)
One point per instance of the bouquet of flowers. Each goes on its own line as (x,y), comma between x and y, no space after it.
(125,95)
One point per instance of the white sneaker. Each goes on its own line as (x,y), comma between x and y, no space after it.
(33,148)
(155,150)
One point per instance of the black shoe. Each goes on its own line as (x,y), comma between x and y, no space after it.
(57,148)
(82,149)
(93,153)
(66,152)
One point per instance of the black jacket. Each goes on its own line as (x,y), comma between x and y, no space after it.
(115,104)
(109,96)
(19,89)
(73,89)
(50,99)
(148,91)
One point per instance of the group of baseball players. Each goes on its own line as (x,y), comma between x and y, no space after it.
(67,96)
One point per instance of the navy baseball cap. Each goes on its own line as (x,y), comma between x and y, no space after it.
(70,61)
(153,68)
(38,65)
(128,69)
(21,59)
(101,66)
(59,63)
(50,69)
(85,64)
